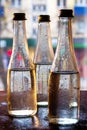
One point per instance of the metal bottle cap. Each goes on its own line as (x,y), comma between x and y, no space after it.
(19,16)
(44,18)
(66,13)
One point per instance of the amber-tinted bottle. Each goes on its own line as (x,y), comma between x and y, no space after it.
(21,79)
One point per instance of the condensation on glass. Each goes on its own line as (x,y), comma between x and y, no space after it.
(43,59)
(64,79)
(21,79)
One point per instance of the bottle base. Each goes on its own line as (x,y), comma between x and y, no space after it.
(42,103)
(22,113)
(63,121)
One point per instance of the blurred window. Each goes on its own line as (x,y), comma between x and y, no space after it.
(34,32)
(61,2)
(2,43)
(64,3)
(15,3)
(39,7)
(58,2)
(81,1)
(35,18)
(75,1)
(2,2)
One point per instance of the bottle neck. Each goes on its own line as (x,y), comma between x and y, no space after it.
(65,59)
(44,31)
(20,52)
(44,52)
(19,33)
(66,32)
(65,37)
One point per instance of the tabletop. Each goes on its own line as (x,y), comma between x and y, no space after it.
(40,120)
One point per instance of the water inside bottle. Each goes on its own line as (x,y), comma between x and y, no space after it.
(21,92)
(63,97)
(42,74)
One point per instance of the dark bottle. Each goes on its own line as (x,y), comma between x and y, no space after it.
(21,80)
(64,79)
(43,59)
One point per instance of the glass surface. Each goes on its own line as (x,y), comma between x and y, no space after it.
(42,83)
(37,7)
(64,78)
(63,97)
(21,79)
(43,59)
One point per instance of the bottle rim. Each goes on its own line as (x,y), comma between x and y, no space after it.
(19,16)
(66,13)
(43,18)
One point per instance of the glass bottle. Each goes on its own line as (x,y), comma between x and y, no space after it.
(43,59)
(64,78)
(21,81)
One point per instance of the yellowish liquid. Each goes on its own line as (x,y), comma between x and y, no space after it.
(21,92)
(22,113)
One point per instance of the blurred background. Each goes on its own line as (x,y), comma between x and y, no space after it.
(33,8)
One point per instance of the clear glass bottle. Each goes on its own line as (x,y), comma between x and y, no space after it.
(64,78)
(21,80)
(43,59)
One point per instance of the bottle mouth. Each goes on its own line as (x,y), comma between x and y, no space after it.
(44,18)
(66,13)
(19,16)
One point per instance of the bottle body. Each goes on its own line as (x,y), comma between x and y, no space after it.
(63,97)
(42,74)
(43,59)
(64,78)
(21,77)
(21,92)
